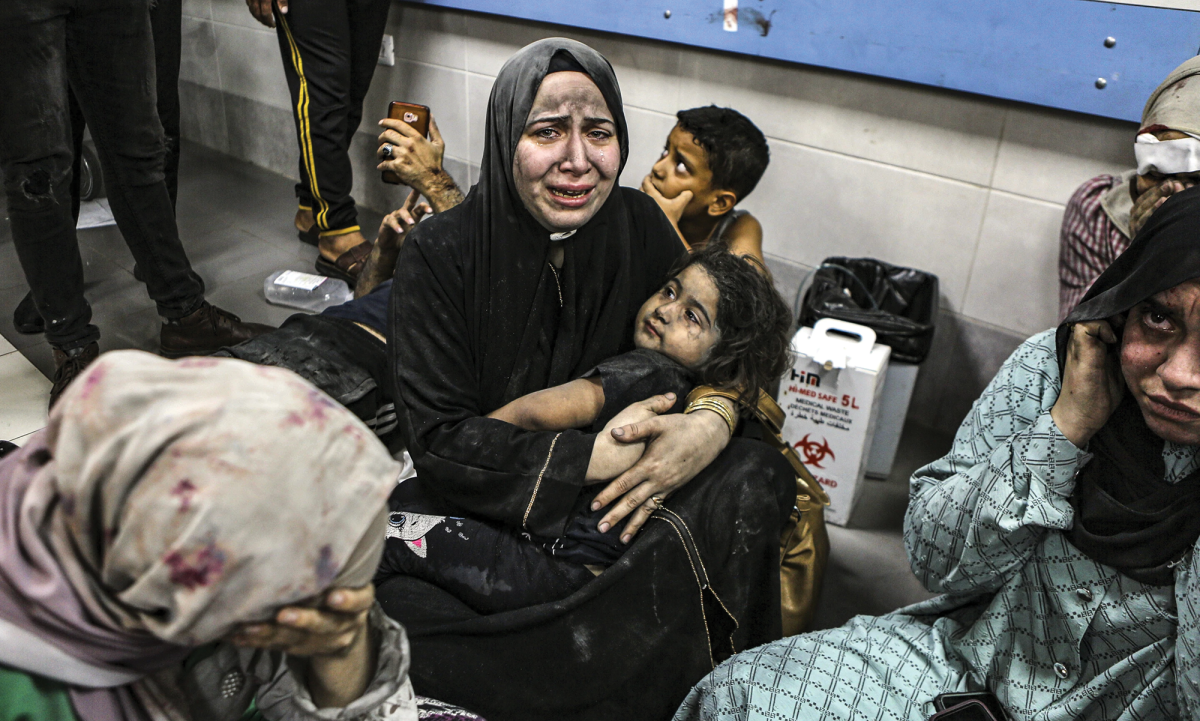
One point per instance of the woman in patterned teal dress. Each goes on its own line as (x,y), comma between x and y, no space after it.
(1059,530)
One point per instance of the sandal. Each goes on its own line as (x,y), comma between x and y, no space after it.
(311,236)
(347,266)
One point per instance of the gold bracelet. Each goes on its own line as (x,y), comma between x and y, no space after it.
(716,406)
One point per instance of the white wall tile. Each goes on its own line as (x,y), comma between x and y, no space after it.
(442,89)
(814,204)
(491,41)
(1047,154)
(198,54)
(925,129)
(199,9)
(235,12)
(479,88)
(251,65)
(647,134)
(429,36)
(648,71)
(1014,280)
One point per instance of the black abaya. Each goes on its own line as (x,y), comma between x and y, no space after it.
(469,334)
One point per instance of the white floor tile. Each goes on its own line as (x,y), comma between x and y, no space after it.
(5,346)
(24,392)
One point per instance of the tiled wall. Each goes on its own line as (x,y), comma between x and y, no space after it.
(966,187)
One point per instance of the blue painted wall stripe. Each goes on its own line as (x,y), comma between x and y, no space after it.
(1046,52)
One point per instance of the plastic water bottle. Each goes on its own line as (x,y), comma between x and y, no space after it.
(305,291)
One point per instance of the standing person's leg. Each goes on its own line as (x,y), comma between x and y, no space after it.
(26,318)
(316,44)
(110,60)
(35,157)
(166,18)
(368,20)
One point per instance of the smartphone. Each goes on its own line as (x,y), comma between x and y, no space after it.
(966,711)
(415,115)
(947,701)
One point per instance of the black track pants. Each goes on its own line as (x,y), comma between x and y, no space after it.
(330,49)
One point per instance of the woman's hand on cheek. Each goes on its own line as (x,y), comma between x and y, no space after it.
(1092,383)
(330,629)
(680,446)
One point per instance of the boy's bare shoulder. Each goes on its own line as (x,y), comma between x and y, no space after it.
(745,236)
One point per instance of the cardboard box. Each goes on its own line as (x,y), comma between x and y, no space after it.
(831,400)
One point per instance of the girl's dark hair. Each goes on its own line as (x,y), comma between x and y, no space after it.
(754,322)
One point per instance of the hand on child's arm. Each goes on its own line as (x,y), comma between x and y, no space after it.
(611,458)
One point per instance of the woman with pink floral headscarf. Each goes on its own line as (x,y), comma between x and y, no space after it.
(186,539)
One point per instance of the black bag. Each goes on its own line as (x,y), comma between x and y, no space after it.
(899,304)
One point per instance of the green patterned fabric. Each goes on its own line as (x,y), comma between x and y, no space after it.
(1055,635)
(25,697)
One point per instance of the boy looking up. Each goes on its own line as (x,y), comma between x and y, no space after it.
(712,160)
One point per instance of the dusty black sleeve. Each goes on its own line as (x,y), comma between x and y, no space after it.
(635,376)
(523,479)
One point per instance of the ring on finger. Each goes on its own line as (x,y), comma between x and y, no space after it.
(658,502)
(385,152)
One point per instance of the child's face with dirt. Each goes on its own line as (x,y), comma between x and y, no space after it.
(684,166)
(680,321)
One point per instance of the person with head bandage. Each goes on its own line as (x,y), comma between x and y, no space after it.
(1107,211)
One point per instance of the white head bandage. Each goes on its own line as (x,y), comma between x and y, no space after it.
(1167,157)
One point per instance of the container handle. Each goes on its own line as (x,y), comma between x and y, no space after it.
(865,335)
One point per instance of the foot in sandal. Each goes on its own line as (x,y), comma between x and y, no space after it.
(342,256)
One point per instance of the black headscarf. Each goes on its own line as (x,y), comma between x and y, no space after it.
(600,286)
(1127,515)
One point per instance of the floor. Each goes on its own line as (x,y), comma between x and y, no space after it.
(236,223)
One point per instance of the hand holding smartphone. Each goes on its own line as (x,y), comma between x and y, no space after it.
(416,116)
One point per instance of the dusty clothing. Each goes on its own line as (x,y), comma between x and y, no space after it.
(1095,227)
(337,356)
(1054,634)
(104,50)
(165,504)
(1090,239)
(484,319)
(1072,587)
(492,568)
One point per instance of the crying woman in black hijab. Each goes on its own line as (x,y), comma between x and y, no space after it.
(533,281)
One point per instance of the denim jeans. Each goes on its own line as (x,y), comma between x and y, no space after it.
(104,50)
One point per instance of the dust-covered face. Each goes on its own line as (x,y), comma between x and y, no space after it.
(1160,360)
(682,166)
(568,157)
(680,321)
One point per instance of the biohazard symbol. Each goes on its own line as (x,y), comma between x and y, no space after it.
(814,452)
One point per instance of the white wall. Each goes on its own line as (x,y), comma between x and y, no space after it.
(967,187)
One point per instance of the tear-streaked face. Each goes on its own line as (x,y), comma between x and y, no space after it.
(1160,360)
(568,157)
(680,321)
